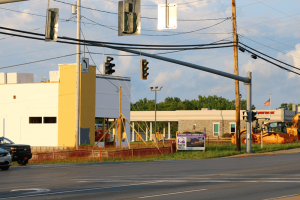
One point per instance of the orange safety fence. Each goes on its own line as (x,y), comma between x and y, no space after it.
(101,153)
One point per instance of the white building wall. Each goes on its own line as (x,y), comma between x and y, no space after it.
(31,100)
(14,77)
(107,98)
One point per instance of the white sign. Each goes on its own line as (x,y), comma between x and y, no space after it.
(85,65)
(190,141)
(171,21)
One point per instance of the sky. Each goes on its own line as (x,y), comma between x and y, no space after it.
(270,26)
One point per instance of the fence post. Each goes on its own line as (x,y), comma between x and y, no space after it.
(132,151)
(53,156)
(100,156)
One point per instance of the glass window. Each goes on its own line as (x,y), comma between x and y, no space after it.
(49,120)
(35,120)
(232,128)
(216,129)
(5,141)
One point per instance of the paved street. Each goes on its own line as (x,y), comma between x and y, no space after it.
(261,177)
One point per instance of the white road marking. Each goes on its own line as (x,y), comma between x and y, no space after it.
(195,181)
(79,190)
(293,195)
(157,195)
(34,190)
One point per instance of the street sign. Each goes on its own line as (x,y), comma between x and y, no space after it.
(85,65)
(190,141)
(169,20)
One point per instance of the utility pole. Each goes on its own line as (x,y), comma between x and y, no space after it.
(249,103)
(236,72)
(156,89)
(77,104)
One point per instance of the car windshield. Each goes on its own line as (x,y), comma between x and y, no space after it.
(5,141)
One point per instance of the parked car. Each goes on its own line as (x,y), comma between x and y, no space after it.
(19,152)
(5,159)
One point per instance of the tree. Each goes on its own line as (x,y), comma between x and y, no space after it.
(287,106)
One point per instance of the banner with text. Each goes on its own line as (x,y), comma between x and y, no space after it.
(190,141)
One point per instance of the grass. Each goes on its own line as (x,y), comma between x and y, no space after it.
(213,150)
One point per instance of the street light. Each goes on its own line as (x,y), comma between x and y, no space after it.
(156,89)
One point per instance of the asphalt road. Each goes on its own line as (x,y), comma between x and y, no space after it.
(261,177)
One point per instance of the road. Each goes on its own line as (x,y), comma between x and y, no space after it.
(261,177)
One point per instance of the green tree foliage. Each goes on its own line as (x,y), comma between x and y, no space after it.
(175,103)
(287,106)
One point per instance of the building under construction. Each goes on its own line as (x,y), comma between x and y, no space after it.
(43,113)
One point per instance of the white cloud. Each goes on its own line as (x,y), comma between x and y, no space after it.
(164,78)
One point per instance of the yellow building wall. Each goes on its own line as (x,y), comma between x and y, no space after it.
(87,105)
(66,105)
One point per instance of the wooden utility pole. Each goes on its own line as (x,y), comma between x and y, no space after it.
(120,120)
(236,72)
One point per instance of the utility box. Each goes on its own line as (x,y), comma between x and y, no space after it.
(3,78)
(54,76)
(20,78)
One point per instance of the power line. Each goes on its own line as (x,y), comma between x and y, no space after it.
(269,46)
(38,61)
(269,56)
(271,62)
(101,44)
(111,43)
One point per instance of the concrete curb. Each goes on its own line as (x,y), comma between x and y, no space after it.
(289,151)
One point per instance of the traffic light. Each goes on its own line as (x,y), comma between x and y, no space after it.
(51,25)
(109,66)
(130,22)
(253,116)
(245,115)
(145,69)
(129,17)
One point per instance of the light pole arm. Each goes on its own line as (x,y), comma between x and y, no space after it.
(10,1)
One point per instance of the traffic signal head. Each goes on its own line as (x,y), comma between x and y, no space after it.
(108,59)
(254,116)
(245,115)
(145,69)
(130,23)
(51,25)
(109,66)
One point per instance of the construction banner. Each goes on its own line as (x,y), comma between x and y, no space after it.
(190,141)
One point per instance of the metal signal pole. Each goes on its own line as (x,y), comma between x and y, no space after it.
(77,104)
(236,72)
(156,89)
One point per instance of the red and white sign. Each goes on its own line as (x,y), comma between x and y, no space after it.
(265,112)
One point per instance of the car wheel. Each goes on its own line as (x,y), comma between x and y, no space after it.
(4,168)
(22,162)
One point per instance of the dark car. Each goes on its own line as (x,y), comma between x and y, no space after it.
(5,159)
(19,152)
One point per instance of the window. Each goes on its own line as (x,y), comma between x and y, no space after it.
(49,120)
(35,120)
(216,129)
(232,128)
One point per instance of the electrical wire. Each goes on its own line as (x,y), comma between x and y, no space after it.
(269,56)
(269,46)
(38,61)
(111,43)
(178,33)
(271,62)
